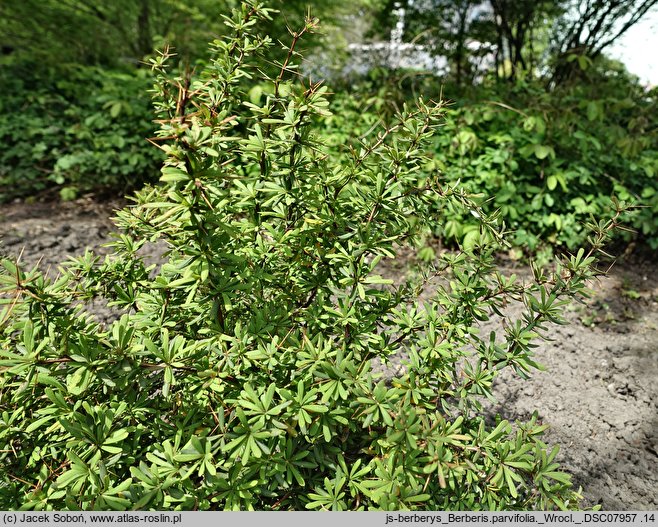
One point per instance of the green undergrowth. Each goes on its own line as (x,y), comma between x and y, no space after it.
(545,160)
(74,130)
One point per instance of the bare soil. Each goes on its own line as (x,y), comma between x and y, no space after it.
(599,392)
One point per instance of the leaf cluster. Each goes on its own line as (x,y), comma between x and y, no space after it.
(83,130)
(545,161)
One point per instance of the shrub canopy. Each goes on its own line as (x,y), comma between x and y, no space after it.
(239,374)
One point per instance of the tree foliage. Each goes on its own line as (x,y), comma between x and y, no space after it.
(520,38)
(106,33)
(123,32)
(589,27)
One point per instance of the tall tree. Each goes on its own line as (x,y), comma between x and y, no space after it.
(107,33)
(516,22)
(451,32)
(588,27)
(520,35)
(466,31)
(91,32)
(443,27)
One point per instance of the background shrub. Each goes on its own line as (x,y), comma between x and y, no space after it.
(544,160)
(83,130)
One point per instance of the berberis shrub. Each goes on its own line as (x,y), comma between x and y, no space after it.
(239,374)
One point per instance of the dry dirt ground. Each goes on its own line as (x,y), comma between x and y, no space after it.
(599,393)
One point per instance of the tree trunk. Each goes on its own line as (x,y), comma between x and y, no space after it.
(460,55)
(144,37)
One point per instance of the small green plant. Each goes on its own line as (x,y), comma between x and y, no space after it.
(239,374)
(629,291)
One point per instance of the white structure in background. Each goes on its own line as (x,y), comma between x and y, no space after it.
(395,53)
(634,49)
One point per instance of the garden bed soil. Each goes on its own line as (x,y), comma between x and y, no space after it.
(599,393)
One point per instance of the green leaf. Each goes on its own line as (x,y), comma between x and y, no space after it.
(510,483)
(174,175)
(115,109)
(78,382)
(68,478)
(117,436)
(38,423)
(255,94)
(543,151)
(470,240)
